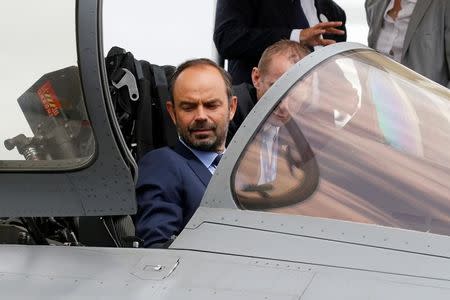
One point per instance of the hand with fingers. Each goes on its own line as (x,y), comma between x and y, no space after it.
(313,36)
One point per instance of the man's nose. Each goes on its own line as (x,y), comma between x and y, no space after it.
(200,113)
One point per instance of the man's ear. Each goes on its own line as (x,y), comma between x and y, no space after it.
(171,109)
(256,77)
(233,106)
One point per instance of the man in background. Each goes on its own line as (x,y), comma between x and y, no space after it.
(244,28)
(415,33)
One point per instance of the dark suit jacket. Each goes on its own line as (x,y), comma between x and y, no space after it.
(244,28)
(170,186)
(246,100)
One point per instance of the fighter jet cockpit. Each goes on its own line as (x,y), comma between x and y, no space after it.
(357,138)
(335,186)
(50,152)
(346,134)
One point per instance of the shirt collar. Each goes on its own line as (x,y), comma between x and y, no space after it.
(391,3)
(206,157)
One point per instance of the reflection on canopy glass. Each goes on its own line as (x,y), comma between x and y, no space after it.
(365,140)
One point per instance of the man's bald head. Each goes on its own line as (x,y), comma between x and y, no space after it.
(274,62)
(290,50)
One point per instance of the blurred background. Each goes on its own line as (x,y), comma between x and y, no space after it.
(161,32)
(171,31)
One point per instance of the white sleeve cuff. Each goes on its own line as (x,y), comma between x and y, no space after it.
(295,35)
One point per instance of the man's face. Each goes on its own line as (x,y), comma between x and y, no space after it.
(262,81)
(200,108)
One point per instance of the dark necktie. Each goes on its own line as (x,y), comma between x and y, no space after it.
(300,19)
(216,160)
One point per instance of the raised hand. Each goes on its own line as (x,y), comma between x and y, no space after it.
(313,36)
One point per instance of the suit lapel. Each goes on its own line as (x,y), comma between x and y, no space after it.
(417,15)
(319,9)
(298,18)
(194,163)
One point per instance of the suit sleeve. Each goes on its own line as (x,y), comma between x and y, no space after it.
(246,101)
(236,36)
(159,199)
(367,6)
(373,12)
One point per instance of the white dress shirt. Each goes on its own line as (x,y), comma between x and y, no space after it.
(269,154)
(392,34)
(310,11)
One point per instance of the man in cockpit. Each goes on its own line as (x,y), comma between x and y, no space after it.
(274,62)
(171,182)
(273,146)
